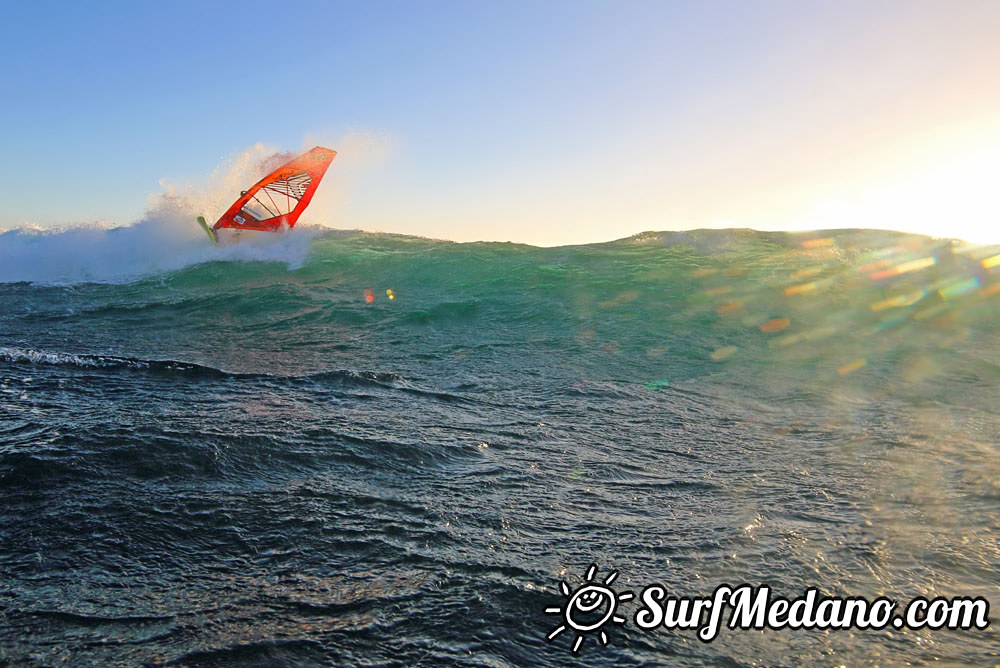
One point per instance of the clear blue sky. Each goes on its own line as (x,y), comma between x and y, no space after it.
(544,121)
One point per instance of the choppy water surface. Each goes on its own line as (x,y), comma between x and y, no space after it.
(242,462)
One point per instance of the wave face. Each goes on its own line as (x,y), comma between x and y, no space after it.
(255,456)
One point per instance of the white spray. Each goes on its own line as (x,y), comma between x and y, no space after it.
(168,238)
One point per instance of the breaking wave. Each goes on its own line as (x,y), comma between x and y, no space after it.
(168,237)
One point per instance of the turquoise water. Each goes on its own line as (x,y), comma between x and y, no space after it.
(234,458)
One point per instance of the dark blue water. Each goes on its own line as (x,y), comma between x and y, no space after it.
(244,463)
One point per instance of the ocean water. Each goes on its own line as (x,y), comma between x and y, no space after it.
(254,457)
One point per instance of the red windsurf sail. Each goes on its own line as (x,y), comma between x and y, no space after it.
(280,197)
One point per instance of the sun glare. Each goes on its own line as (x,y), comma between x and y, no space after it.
(954,196)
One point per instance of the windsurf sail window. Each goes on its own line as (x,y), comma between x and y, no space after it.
(278,198)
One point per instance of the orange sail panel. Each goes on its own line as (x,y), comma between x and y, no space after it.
(279,198)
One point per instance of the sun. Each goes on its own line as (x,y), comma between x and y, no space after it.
(588,609)
(950,193)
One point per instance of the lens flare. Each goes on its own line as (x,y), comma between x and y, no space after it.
(851,367)
(905,267)
(959,288)
(775,325)
(991,262)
